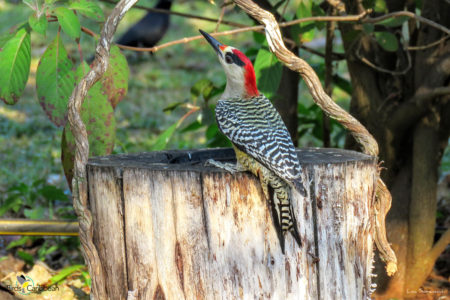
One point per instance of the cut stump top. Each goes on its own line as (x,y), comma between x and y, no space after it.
(193,160)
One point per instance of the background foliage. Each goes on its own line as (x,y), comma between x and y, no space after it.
(164,101)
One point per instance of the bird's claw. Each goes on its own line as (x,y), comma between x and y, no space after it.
(232,168)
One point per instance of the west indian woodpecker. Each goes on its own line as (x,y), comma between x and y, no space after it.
(260,139)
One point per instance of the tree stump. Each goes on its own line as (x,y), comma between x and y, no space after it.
(166,227)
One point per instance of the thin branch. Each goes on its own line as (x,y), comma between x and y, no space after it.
(430,45)
(440,246)
(79,182)
(88,31)
(383,70)
(185,15)
(219,21)
(243,28)
(410,15)
(251,28)
(328,75)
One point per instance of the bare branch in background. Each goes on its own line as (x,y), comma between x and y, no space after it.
(328,75)
(175,13)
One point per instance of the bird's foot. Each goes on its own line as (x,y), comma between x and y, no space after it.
(232,168)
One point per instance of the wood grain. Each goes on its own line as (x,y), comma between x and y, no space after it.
(168,228)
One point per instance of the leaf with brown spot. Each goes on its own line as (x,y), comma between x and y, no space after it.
(98,117)
(115,80)
(55,81)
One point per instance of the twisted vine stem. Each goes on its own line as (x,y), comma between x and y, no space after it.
(359,132)
(79,182)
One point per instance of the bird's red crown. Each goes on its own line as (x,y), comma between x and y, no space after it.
(249,74)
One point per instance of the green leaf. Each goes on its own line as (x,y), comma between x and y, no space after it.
(98,116)
(259,37)
(394,22)
(306,29)
(88,8)
(343,84)
(4,38)
(38,24)
(15,59)
(64,273)
(172,106)
(52,193)
(268,72)
(164,138)
(192,127)
(55,81)
(20,242)
(26,257)
(368,28)
(114,82)
(204,88)
(36,213)
(86,277)
(12,203)
(69,22)
(387,41)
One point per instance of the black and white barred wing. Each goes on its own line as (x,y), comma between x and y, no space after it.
(255,127)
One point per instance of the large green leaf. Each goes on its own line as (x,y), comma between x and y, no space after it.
(69,22)
(115,80)
(88,8)
(38,24)
(268,72)
(15,59)
(55,81)
(387,41)
(98,117)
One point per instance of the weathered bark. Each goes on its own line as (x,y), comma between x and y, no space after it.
(168,228)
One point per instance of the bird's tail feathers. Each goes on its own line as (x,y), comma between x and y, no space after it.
(299,187)
(294,230)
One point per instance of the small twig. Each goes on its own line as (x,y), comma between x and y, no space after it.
(246,29)
(222,13)
(424,47)
(328,76)
(440,246)
(190,112)
(88,31)
(383,70)
(410,15)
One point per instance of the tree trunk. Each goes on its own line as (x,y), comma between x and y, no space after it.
(168,228)
(406,114)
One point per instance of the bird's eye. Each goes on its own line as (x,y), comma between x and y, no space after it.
(228,58)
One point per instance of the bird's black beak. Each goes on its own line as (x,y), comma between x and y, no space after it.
(214,43)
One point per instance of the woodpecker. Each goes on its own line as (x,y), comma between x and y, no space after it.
(260,139)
